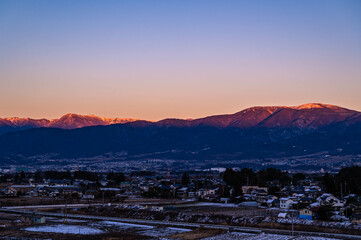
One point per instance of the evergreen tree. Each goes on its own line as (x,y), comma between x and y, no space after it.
(22,176)
(328,183)
(185,179)
(37,176)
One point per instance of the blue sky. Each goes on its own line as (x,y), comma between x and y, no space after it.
(157,59)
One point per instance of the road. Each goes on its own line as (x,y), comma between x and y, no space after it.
(79,205)
(24,209)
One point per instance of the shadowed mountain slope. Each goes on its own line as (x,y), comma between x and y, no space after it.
(254,132)
(312,115)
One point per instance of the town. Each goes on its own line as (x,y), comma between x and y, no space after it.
(268,199)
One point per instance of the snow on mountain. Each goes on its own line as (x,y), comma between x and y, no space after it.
(311,115)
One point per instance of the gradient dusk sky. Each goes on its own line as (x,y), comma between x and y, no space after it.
(184,59)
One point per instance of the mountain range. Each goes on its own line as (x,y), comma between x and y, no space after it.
(254,132)
(312,115)
(68,121)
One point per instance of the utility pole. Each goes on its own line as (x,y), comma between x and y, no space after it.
(341,189)
(65,210)
(292,223)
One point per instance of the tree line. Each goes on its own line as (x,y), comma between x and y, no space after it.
(346,181)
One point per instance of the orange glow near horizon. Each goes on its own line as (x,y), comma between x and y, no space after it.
(156,60)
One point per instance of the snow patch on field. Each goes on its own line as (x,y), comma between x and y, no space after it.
(161,232)
(123,225)
(61,228)
(199,204)
(70,220)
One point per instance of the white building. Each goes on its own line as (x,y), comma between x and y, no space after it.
(286,203)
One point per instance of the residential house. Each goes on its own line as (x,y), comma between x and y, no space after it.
(273,203)
(182,193)
(89,194)
(249,189)
(23,189)
(306,213)
(286,203)
(125,185)
(9,192)
(329,199)
(202,192)
(355,207)
(33,218)
(211,197)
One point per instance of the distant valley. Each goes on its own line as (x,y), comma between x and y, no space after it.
(253,133)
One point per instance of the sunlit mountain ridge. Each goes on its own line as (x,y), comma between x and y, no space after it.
(311,115)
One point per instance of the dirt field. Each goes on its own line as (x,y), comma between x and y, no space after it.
(197,234)
(56,236)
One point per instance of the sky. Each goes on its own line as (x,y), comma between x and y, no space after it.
(183,59)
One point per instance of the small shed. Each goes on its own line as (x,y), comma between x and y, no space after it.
(306,213)
(33,218)
(283,215)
